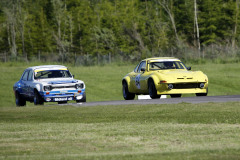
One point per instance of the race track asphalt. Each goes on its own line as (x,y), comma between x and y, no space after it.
(204,99)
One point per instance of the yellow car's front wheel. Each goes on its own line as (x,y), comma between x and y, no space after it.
(202,94)
(152,90)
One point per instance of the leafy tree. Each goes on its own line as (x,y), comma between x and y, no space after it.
(215,21)
(132,28)
(184,17)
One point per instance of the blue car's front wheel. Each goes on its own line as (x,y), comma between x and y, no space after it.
(20,101)
(83,98)
(38,100)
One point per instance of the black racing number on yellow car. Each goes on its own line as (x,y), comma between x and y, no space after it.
(137,81)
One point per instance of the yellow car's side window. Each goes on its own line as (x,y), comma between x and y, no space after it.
(135,70)
(141,66)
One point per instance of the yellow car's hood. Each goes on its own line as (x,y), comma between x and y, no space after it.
(181,75)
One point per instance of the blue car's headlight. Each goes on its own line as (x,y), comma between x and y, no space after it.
(47,88)
(79,86)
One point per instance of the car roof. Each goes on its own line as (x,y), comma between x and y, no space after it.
(48,67)
(162,59)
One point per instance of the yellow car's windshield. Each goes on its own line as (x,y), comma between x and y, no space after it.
(166,65)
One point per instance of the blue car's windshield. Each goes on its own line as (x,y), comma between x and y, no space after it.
(52,74)
(166,65)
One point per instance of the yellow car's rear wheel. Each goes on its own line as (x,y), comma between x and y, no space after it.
(126,94)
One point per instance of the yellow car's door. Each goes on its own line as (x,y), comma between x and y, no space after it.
(138,76)
(133,86)
(143,82)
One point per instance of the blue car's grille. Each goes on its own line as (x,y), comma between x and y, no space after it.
(60,87)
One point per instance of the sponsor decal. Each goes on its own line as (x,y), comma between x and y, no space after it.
(39,70)
(61,99)
(164,60)
(48,99)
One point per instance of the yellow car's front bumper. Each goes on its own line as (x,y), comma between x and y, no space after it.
(182,91)
(163,89)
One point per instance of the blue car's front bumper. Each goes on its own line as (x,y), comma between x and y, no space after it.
(64,95)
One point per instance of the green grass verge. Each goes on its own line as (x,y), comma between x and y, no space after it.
(172,131)
(104,82)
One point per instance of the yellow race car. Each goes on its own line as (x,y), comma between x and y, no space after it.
(163,76)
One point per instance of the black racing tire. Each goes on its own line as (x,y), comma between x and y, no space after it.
(152,90)
(19,100)
(84,99)
(38,100)
(126,94)
(202,94)
(175,95)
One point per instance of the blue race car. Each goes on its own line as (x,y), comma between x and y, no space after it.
(48,83)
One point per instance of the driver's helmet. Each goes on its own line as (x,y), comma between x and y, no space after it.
(168,64)
(57,74)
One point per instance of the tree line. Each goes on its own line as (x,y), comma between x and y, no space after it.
(131,28)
